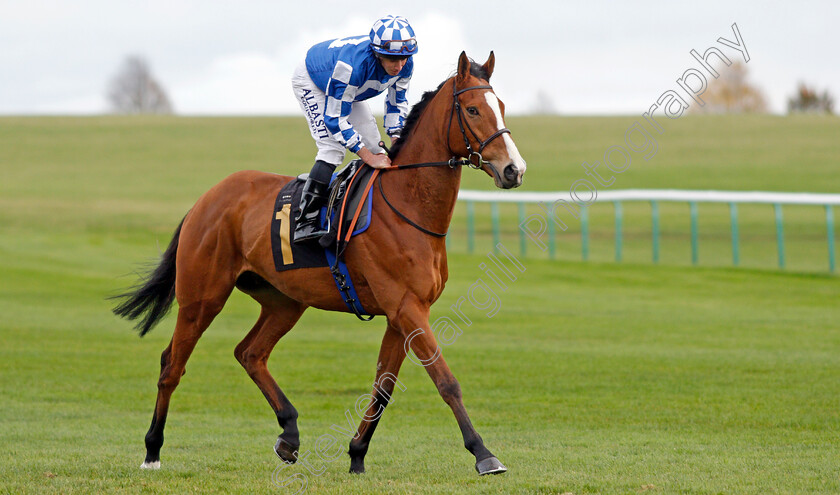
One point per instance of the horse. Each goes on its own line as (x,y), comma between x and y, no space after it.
(398,267)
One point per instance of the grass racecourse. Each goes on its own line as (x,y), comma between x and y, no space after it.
(589,378)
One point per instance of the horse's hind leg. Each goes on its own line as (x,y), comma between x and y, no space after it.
(205,278)
(279,314)
(391,356)
(193,319)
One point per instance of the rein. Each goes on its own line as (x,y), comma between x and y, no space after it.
(452,162)
(408,220)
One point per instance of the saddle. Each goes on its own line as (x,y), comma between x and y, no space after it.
(348,208)
(350,182)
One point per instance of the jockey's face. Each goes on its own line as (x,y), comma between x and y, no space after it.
(392,65)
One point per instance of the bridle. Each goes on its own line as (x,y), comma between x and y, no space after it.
(456,110)
(453,162)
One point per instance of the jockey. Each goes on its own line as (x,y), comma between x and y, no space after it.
(332,85)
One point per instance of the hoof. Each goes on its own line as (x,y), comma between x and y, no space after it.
(357,466)
(150,465)
(491,465)
(286,451)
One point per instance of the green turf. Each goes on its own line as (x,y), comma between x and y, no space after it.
(591,377)
(82,166)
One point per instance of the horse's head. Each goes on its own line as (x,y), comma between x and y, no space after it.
(480,133)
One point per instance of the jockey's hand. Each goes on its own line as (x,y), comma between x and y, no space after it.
(376,161)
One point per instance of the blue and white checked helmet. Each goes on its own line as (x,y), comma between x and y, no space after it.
(392,35)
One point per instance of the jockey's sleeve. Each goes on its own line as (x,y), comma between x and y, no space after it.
(341,92)
(396,106)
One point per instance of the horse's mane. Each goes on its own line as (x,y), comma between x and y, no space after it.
(417,110)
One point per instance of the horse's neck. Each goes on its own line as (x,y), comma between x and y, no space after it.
(430,191)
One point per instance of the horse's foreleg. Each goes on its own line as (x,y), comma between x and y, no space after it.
(252,353)
(414,322)
(391,356)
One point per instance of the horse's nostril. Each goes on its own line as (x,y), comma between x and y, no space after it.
(511,173)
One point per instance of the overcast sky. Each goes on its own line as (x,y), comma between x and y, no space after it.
(236,57)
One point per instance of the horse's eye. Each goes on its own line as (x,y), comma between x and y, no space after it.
(472,111)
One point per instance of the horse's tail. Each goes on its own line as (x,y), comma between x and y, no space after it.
(153,295)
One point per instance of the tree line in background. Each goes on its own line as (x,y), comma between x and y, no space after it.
(807,100)
(134,90)
(732,92)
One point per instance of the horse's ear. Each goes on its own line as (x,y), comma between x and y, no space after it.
(488,66)
(463,66)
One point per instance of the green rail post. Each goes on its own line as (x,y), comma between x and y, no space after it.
(584,232)
(780,235)
(694,237)
(654,215)
(523,246)
(470,227)
(619,217)
(733,220)
(829,223)
(494,214)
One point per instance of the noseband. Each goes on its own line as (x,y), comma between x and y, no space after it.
(462,123)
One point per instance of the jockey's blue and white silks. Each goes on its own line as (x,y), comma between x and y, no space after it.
(313,103)
(347,71)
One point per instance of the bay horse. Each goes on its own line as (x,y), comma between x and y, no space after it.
(399,270)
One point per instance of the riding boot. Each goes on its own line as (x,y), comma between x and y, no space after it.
(312,198)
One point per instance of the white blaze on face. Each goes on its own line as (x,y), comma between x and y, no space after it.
(513,152)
